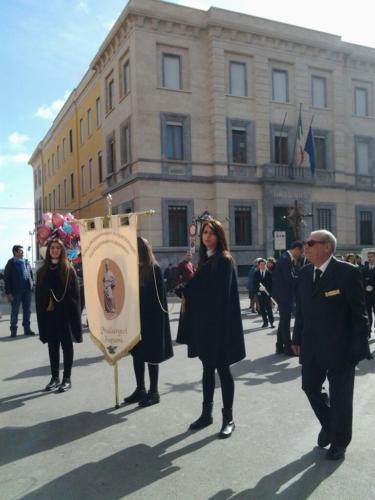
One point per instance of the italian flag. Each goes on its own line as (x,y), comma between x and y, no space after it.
(300,143)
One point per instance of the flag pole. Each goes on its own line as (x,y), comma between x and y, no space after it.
(292,163)
(115,366)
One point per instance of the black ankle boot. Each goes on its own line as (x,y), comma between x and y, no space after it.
(53,384)
(205,419)
(136,396)
(228,423)
(65,385)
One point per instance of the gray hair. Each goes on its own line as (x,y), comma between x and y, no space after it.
(327,237)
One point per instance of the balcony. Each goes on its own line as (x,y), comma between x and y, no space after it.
(287,173)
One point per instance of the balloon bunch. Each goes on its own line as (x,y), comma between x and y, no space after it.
(64,227)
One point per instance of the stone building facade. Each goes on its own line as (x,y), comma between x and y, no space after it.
(199,113)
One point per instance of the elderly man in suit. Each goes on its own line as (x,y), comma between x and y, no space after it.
(330,336)
(284,280)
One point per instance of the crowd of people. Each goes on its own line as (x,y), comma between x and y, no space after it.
(332,301)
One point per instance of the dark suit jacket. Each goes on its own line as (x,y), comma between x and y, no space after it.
(369,281)
(331,322)
(284,278)
(266,281)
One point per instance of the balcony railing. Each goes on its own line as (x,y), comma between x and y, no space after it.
(296,173)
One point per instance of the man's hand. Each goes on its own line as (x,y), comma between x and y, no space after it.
(296,349)
(10,297)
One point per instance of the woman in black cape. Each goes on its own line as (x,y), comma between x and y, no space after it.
(156,343)
(58,312)
(213,329)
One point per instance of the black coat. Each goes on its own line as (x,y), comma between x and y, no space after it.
(266,281)
(214,326)
(331,322)
(156,343)
(368,276)
(65,319)
(284,278)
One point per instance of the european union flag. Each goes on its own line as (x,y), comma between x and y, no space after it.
(310,150)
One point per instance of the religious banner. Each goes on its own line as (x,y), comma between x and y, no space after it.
(111,284)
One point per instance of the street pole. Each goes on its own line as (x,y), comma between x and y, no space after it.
(31,233)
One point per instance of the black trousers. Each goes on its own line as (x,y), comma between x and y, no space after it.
(283,330)
(139,371)
(335,415)
(226,382)
(370,308)
(265,308)
(54,356)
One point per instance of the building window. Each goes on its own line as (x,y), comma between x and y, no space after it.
(360,101)
(110,94)
(59,197)
(175,132)
(177,222)
(54,199)
(239,141)
(64,149)
(71,140)
(320,147)
(65,193)
(49,202)
(100,167)
(324,218)
(72,186)
(89,128)
(365,228)
(125,144)
(125,83)
(81,131)
(111,154)
(58,156)
(362,155)
(242,225)
(280,85)
(98,112)
(171,71)
(91,176)
(82,179)
(281,148)
(175,141)
(319,99)
(237,79)
(53,163)
(49,167)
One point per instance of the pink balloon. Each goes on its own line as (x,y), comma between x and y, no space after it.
(57,219)
(61,234)
(69,217)
(47,217)
(42,233)
(75,230)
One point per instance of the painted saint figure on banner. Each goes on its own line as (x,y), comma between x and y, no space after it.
(109,283)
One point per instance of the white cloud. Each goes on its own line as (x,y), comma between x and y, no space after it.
(17,140)
(2,187)
(83,7)
(49,112)
(16,159)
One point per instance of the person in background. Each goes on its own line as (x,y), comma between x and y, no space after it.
(284,279)
(330,336)
(271,263)
(368,275)
(358,261)
(263,289)
(185,269)
(254,304)
(168,277)
(215,332)
(19,283)
(58,312)
(156,344)
(350,257)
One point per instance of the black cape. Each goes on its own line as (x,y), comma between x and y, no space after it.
(213,325)
(156,343)
(65,319)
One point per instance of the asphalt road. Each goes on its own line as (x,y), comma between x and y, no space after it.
(77,446)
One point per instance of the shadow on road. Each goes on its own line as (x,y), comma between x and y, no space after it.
(17,400)
(273,368)
(120,474)
(283,482)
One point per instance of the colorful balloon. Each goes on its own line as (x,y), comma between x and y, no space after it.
(67,228)
(42,233)
(75,229)
(57,219)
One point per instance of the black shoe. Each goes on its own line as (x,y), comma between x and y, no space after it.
(336,453)
(228,424)
(323,438)
(136,396)
(272,325)
(53,384)
(205,419)
(13,335)
(29,332)
(265,325)
(289,352)
(151,398)
(65,385)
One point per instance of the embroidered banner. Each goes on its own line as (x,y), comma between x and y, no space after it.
(111,283)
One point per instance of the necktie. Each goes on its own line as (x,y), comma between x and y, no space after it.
(318,274)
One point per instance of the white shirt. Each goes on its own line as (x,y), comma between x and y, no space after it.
(324,266)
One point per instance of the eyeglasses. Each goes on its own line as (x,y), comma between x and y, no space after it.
(311,243)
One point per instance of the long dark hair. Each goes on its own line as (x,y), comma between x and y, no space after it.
(146,260)
(222,244)
(63,261)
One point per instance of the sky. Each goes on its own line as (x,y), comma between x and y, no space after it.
(46,47)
